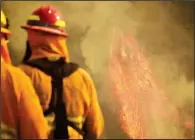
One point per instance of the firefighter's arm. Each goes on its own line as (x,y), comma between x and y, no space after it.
(31,119)
(94,122)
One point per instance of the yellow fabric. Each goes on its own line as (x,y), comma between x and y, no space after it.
(79,94)
(4,51)
(20,107)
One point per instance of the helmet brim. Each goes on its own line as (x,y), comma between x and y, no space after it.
(45,29)
(5,31)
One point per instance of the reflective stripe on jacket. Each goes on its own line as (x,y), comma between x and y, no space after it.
(78,121)
(7,132)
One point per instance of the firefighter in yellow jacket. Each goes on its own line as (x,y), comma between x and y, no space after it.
(21,113)
(47,39)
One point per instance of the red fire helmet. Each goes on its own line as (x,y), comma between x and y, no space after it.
(46,19)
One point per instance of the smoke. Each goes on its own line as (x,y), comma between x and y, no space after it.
(164,30)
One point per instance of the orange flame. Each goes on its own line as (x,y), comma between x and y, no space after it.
(136,90)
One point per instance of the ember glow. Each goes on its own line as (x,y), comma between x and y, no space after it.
(145,110)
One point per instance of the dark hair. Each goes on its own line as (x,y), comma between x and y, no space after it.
(7,25)
(27,52)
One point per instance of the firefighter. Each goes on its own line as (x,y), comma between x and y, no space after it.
(47,41)
(21,113)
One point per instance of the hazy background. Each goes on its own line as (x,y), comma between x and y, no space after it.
(165,30)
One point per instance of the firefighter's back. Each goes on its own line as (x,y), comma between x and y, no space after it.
(79,95)
(21,111)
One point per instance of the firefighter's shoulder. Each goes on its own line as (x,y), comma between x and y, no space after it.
(85,79)
(17,78)
(85,75)
(27,69)
(16,73)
